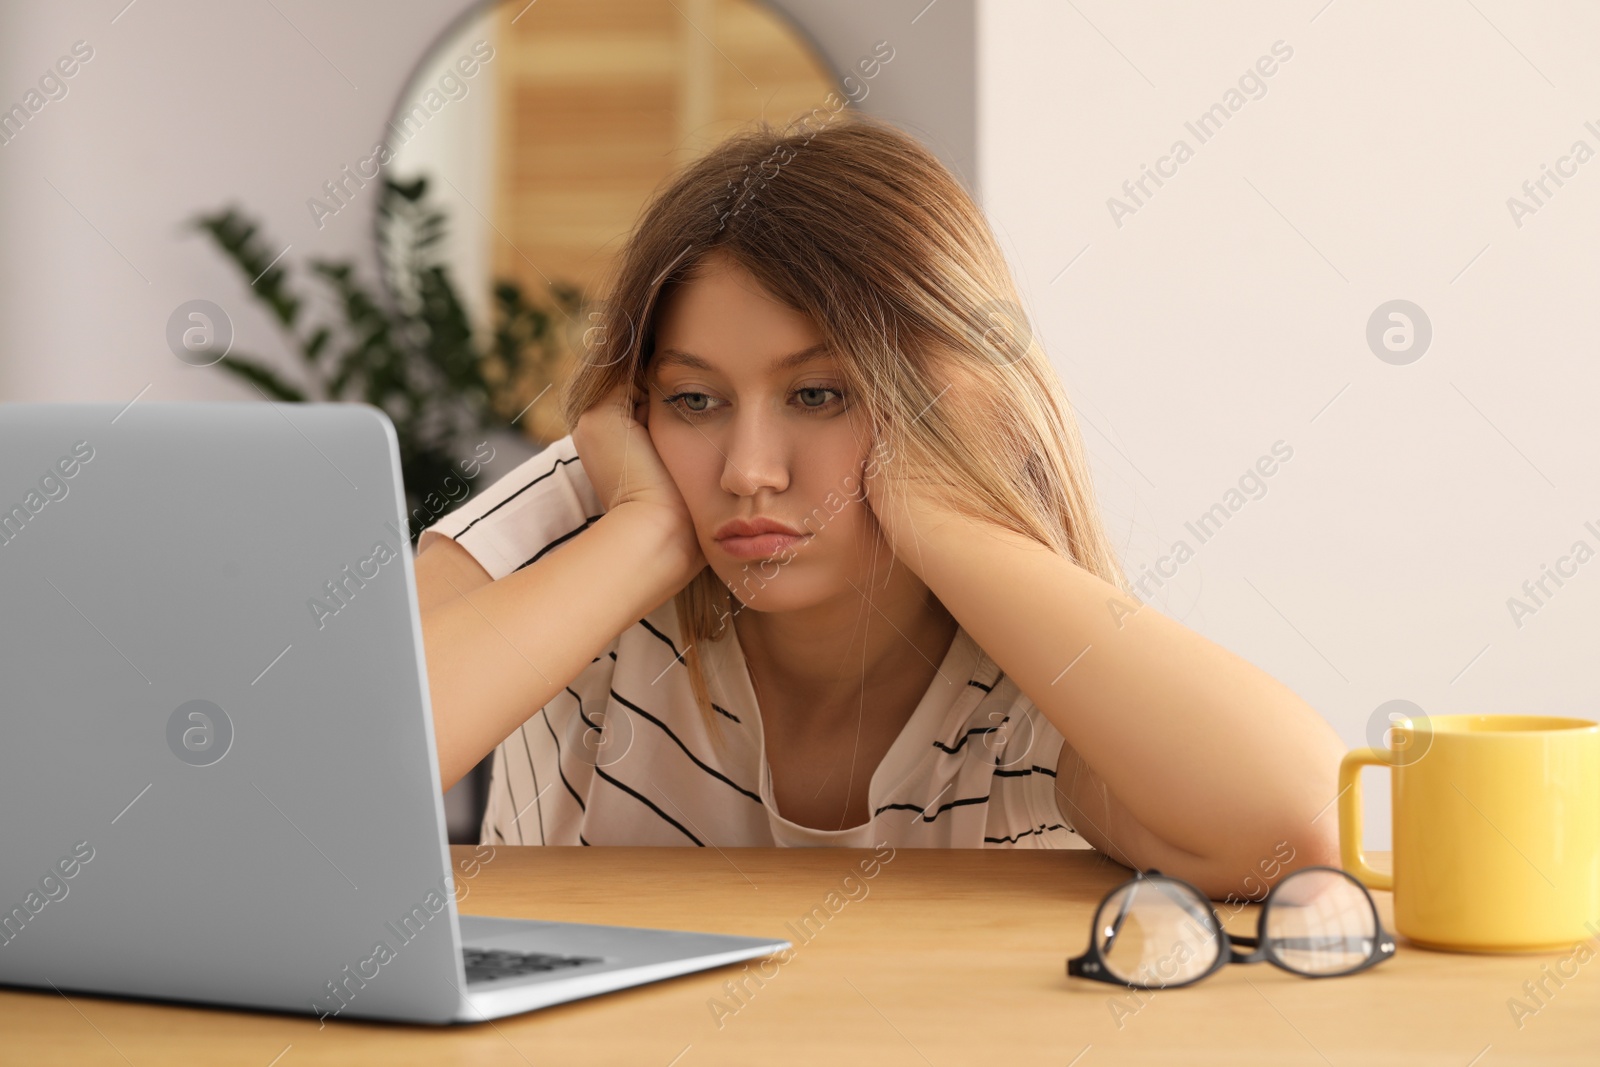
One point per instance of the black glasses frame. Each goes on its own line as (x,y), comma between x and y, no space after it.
(1092,965)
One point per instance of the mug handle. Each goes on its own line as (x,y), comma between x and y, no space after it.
(1350,853)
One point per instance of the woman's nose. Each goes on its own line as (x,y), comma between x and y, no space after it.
(755,457)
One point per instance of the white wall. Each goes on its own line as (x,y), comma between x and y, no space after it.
(928,87)
(185,106)
(1229,312)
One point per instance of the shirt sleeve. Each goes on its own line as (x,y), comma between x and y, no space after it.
(532,511)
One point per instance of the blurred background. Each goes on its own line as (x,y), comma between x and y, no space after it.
(1349,243)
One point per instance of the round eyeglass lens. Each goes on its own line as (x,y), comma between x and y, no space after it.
(1155,932)
(1321,922)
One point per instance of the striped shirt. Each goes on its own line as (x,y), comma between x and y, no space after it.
(622,755)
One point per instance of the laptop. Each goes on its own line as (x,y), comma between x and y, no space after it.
(218,781)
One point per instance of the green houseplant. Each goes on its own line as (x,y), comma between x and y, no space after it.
(411,351)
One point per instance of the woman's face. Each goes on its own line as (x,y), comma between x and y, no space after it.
(746,434)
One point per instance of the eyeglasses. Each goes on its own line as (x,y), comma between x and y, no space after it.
(1158,932)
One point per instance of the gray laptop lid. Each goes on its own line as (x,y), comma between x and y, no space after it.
(217,769)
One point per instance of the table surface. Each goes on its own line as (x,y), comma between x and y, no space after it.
(945,957)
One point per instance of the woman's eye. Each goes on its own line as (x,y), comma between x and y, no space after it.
(806,394)
(683,403)
(808,398)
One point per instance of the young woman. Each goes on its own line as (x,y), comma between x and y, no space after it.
(820,563)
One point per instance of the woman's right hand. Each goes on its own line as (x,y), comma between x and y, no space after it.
(613,442)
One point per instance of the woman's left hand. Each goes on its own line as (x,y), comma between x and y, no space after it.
(903,503)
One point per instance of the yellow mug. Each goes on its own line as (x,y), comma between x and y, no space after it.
(1496,830)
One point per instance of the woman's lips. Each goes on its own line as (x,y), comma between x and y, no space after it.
(761,546)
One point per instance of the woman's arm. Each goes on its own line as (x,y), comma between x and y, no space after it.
(499,651)
(1195,761)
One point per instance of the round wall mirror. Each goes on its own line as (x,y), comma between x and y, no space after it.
(531,136)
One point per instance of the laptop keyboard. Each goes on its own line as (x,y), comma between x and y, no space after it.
(490,965)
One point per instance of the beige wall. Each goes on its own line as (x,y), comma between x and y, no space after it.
(1229,312)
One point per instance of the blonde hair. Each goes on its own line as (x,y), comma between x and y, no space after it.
(861,228)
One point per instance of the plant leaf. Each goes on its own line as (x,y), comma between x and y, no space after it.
(252,370)
(235,235)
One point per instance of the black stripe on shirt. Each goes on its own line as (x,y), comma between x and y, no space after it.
(980,685)
(679,657)
(998,773)
(557,740)
(563,539)
(590,723)
(963,739)
(512,793)
(534,773)
(486,828)
(647,802)
(941,809)
(558,463)
(698,762)
(1019,836)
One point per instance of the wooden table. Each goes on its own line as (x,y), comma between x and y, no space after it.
(944,957)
